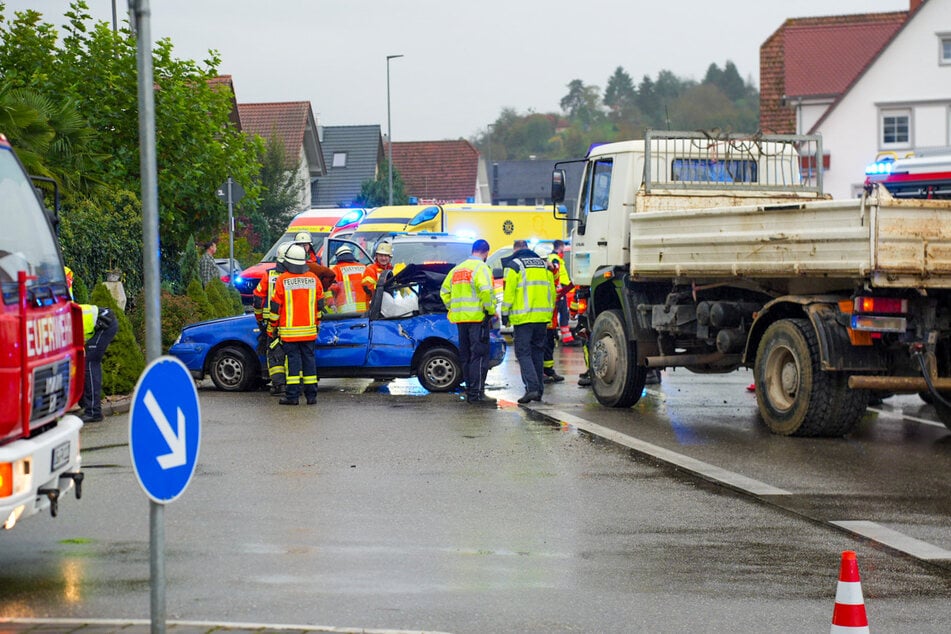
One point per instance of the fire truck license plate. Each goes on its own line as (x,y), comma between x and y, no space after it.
(60,455)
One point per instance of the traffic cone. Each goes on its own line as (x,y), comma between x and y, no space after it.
(848,616)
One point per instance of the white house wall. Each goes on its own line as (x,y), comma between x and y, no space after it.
(906,75)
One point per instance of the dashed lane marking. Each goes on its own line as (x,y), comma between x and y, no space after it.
(699,467)
(870,530)
(899,541)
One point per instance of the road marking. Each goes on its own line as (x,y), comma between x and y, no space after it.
(902,416)
(871,530)
(893,539)
(704,469)
(217,626)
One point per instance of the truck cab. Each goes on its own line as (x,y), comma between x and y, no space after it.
(41,363)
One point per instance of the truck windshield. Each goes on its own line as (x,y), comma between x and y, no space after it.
(26,241)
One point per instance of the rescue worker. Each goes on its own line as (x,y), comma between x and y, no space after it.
(382,261)
(100,326)
(269,343)
(527,303)
(325,274)
(563,286)
(556,266)
(468,294)
(295,311)
(349,296)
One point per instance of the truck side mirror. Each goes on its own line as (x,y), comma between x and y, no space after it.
(558,186)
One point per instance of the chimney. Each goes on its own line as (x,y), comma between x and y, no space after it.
(913,5)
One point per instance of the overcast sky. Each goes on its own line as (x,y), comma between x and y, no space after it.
(464,60)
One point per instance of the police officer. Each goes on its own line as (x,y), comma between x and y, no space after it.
(528,303)
(295,311)
(269,343)
(100,326)
(468,294)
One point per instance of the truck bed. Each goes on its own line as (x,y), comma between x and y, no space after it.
(794,243)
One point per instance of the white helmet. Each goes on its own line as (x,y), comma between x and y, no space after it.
(384,248)
(343,249)
(303,237)
(282,251)
(296,259)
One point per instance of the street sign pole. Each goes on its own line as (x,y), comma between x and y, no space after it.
(141,15)
(230,192)
(230,233)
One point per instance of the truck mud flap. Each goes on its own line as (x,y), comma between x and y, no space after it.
(836,350)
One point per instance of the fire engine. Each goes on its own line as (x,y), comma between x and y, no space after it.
(41,355)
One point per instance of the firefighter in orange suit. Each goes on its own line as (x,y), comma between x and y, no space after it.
(349,295)
(382,261)
(295,309)
(269,343)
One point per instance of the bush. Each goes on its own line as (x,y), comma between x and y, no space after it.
(198,295)
(188,263)
(217,294)
(123,362)
(177,312)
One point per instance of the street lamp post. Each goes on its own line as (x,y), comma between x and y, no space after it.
(389,128)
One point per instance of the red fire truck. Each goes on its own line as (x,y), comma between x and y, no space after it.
(41,355)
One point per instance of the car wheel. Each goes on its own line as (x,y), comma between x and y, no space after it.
(439,370)
(234,369)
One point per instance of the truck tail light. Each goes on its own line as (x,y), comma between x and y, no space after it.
(6,479)
(880,305)
(879,314)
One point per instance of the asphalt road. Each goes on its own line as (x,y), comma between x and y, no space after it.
(386,507)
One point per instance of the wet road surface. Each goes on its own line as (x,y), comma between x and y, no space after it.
(384,507)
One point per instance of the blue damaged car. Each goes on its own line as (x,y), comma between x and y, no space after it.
(404,333)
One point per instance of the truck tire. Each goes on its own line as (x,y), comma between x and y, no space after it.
(615,377)
(795,397)
(234,369)
(439,370)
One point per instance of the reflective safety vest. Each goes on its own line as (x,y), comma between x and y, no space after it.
(294,306)
(90,317)
(559,269)
(529,295)
(263,292)
(349,295)
(467,292)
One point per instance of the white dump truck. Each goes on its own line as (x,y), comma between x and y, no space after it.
(716,252)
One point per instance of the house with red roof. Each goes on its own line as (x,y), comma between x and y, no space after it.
(437,172)
(869,84)
(293,124)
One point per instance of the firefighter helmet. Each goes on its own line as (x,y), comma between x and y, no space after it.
(384,248)
(343,249)
(295,260)
(282,251)
(303,237)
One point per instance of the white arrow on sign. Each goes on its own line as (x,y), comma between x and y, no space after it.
(176,442)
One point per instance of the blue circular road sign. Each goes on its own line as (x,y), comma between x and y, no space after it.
(164,429)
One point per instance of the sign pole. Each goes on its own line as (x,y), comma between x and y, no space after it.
(230,232)
(141,14)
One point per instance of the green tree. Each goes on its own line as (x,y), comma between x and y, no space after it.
(375,192)
(198,296)
(102,236)
(582,102)
(619,95)
(188,264)
(94,68)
